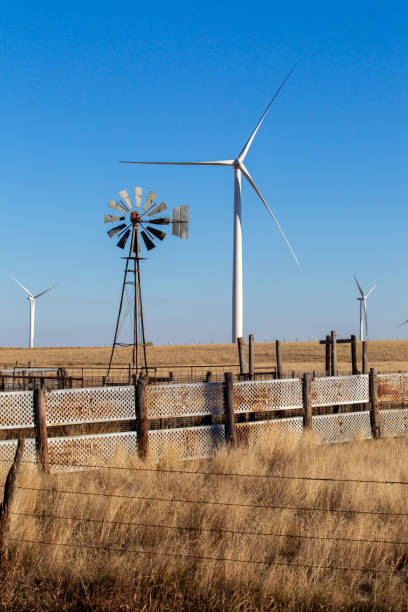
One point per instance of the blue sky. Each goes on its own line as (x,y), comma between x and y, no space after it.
(87,84)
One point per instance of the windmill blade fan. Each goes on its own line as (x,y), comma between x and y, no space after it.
(115,230)
(116,206)
(158,233)
(161,221)
(122,242)
(150,198)
(125,196)
(112,218)
(149,243)
(157,209)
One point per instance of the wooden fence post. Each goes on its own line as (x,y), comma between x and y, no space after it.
(242,356)
(142,418)
(278,359)
(5,507)
(354,368)
(307,401)
(327,347)
(40,411)
(374,412)
(364,357)
(230,433)
(251,356)
(333,347)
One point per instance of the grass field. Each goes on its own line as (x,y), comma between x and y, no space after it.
(386,355)
(190,555)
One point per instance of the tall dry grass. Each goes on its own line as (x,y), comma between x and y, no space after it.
(51,577)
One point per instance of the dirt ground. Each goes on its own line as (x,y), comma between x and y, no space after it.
(385,355)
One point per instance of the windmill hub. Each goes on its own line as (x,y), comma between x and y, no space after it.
(135,217)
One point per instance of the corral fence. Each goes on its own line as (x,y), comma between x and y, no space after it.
(91,425)
(29,379)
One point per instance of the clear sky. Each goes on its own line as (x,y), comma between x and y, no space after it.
(85,84)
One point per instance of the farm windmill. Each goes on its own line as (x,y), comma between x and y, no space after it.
(239,168)
(363,308)
(32,299)
(136,223)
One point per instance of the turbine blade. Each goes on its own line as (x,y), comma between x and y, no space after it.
(222,162)
(138,196)
(150,198)
(125,196)
(161,221)
(42,293)
(158,233)
(112,218)
(245,150)
(159,208)
(359,288)
(251,182)
(122,242)
(403,323)
(115,230)
(149,243)
(371,290)
(26,290)
(116,206)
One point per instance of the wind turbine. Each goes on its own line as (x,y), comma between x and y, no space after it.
(32,299)
(239,169)
(363,308)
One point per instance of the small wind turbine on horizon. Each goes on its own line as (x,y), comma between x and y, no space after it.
(363,308)
(239,168)
(32,299)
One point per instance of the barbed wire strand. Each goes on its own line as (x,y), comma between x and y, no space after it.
(208,558)
(206,529)
(209,473)
(213,503)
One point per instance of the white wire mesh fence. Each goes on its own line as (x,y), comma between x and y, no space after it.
(115,404)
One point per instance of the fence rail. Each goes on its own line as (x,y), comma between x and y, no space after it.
(258,407)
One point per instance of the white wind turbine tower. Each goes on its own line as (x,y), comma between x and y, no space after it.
(239,168)
(32,299)
(363,308)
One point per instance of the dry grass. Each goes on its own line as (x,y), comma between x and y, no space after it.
(50,578)
(390,355)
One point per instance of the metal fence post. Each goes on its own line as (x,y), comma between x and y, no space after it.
(374,412)
(278,359)
(307,401)
(230,433)
(364,357)
(251,356)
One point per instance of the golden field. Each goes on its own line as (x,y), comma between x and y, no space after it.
(233,543)
(385,355)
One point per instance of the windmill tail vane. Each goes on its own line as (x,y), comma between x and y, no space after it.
(137,222)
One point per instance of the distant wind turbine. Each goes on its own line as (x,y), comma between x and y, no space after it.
(239,168)
(32,299)
(363,308)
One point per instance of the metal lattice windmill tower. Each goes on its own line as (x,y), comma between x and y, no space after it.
(139,223)
(240,170)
